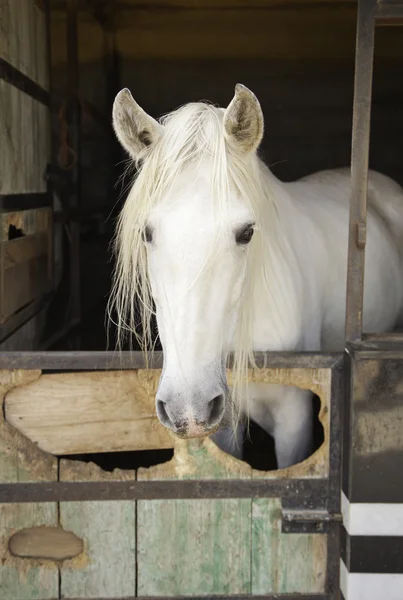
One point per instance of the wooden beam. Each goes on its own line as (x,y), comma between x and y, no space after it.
(80,413)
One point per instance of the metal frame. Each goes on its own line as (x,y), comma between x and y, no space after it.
(369,13)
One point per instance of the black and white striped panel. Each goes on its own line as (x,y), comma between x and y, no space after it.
(371,566)
(371,562)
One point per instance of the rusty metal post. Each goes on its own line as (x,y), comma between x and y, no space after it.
(359,167)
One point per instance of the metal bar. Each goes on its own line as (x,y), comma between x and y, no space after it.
(14,202)
(101,361)
(20,81)
(359,167)
(75,118)
(311,492)
(228,597)
(21,317)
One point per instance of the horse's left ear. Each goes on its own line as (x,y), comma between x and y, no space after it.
(134,128)
(243,120)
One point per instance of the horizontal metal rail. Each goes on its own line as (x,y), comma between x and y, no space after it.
(308,492)
(100,361)
(229,597)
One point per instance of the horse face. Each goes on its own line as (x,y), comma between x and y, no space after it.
(197,263)
(196,246)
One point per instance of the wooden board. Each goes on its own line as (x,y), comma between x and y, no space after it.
(76,413)
(220,546)
(107,567)
(23,38)
(21,461)
(284,563)
(194,546)
(30,222)
(234,546)
(26,263)
(24,142)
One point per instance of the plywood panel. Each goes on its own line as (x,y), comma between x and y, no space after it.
(107,567)
(21,461)
(24,142)
(23,38)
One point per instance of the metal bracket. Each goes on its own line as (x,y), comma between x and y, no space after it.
(308,521)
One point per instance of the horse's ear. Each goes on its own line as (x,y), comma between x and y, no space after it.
(243,120)
(134,128)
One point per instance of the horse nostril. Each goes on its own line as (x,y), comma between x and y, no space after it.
(162,413)
(216,406)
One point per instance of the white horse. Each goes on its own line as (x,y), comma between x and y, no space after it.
(237,261)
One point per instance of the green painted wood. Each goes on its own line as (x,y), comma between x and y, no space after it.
(107,566)
(194,546)
(21,578)
(284,563)
(22,461)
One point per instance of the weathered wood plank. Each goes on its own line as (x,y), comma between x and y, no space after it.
(287,563)
(30,222)
(24,141)
(26,578)
(21,461)
(191,546)
(284,563)
(77,413)
(106,568)
(23,38)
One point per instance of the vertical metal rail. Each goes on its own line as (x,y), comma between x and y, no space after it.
(359,167)
(75,122)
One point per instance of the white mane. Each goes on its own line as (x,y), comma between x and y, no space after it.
(192,135)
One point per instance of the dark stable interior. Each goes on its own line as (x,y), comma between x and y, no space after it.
(298,61)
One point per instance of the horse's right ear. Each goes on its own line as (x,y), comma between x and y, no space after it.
(134,128)
(243,121)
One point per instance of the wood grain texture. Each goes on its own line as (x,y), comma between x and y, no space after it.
(31,222)
(23,38)
(25,262)
(21,461)
(24,141)
(106,568)
(76,413)
(284,563)
(231,546)
(192,546)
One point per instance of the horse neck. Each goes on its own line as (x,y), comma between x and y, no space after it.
(277,320)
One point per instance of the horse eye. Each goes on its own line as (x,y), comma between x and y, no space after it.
(148,234)
(243,236)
